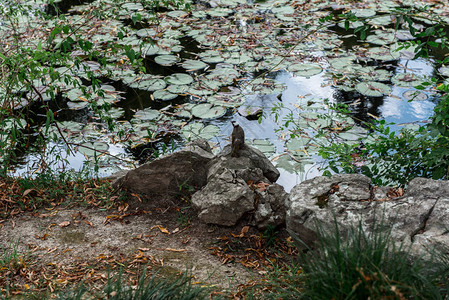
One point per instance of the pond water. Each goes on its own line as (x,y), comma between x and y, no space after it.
(221,51)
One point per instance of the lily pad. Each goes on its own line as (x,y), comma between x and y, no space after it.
(211,56)
(151,85)
(373,89)
(305,69)
(166,60)
(354,134)
(146,32)
(414,95)
(298,146)
(407,80)
(264,146)
(164,95)
(92,149)
(147,114)
(383,53)
(226,100)
(193,65)
(286,163)
(195,131)
(77,105)
(208,111)
(179,78)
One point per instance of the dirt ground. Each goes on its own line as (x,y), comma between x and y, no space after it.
(69,245)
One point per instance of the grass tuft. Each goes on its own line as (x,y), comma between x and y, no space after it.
(154,288)
(368,265)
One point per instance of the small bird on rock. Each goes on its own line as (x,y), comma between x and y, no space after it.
(237,139)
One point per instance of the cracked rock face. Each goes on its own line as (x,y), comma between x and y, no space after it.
(271,207)
(224,199)
(420,217)
(227,196)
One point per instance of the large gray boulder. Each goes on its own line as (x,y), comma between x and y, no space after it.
(419,218)
(224,200)
(165,175)
(228,196)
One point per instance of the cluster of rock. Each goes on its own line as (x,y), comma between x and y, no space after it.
(230,189)
(227,186)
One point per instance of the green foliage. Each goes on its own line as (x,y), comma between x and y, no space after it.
(155,288)
(371,265)
(397,157)
(393,157)
(270,235)
(10,258)
(37,72)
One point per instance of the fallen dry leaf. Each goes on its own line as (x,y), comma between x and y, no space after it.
(64,224)
(173,250)
(26,192)
(161,228)
(242,232)
(88,223)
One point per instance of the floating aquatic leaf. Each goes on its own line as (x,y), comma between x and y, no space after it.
(414,95)
(373,89)
(353,135)
(183,111)
(151,85)
(381,20)
(340,120)
(77,95)
(381,38)
(147,114)
(92,149)
(151,49)
(177,14)
(193,65)
(298,146)
(219,12)
(211,56)
(208,111)
(283,9)
(383,53)
(305,69)
(375,75)
(341,62)
(407,80)
(166,60)
(352,25)
(179,78)
(404,35)
(164,95)
(226,100)
(77,105)
(263,145)
(195,131)
(364,13)
(178,88)
(285,162)
(132,6)
(115,112)
(71,126)
(146,32)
